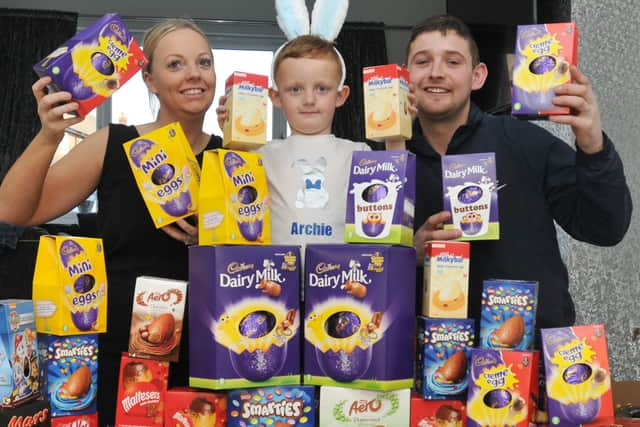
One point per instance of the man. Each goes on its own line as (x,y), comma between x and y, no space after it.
(543,179)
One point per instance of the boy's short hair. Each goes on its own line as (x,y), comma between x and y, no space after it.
(443,24)
(307,46)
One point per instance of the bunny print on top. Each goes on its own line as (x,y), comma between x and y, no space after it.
(308,177)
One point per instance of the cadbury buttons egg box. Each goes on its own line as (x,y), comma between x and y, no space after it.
(236,212)
(94,63)
(69,366)
(442,359)
(503,388)
(246,125)
(167,173)
(244,316)
(343,407)
(381,199)
(446,279)
(386,106)
(543,55)
(70,286)
(578,378)
(360,316)
(272,406)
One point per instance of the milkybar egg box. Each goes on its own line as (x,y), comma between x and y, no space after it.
(69,366)
(234,200)
(343,407)
(142,385)
(446,279)
(503,388)
(381,199)
(470,193)
(386,104)
(85,420)
(19,369)
(70,286)
(167,173)
(189,407)
(437,413)
(272,406)
(543,55)
(246,125)
(578,378)
(508,314)
(442,360)
(359,325)
(244,316)
(94,63)
(156,321)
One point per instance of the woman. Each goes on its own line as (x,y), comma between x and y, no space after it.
(181,74)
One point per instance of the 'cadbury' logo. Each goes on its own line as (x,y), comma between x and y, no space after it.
(325,267)
(238,267)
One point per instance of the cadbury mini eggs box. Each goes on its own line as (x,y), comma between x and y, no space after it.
(167,173)
(69,367)
(94,63)
(189,407)
(503,388)
(543,55)
(381,199)
(508,314)
(578,378)
(234,199)
(386,103)
(246,125)
(272,406)
(70,286)
(359,325)
(443,352)
(346,407)
(244,316)
(19,368)
(470,193)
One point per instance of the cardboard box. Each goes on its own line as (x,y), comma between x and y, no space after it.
(386,106)
(437,413)
(277,406)
(446,279)
(343,407)
(381,199)
(86,420)
(246,124)
(360,316)
(70,286)
(244,316)
(188,407)
(94,63)
(32,414)
(167,173)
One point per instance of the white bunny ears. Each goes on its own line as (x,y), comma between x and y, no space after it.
(327,18)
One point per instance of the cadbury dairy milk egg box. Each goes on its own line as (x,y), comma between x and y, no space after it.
(94,63)
(166,172)
(246,125)
(244,316)
(359,316)
(381,198)
(508,314)
(386,106)
(442,360)
(272,406)
(469,189)
(345,407)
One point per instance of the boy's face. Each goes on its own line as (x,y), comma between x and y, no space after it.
(308,94)
(441,68)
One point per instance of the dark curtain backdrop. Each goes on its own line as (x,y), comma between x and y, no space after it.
(361,45)
(26,36)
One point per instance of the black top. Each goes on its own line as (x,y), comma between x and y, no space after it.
(545,180)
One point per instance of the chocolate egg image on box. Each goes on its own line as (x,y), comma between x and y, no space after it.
(85,320)
(343,366)
(77,384)
(577,373)
(471,223)
(498,398)
(342,324)
(375,193)
(251,230)
(542,64)
(257,324)
(259,365)
(448,414)
(232,161)
(510,333)
(454,369)
(84,283)
(470,194)
(163,174)
(373,224)
(247,194)
(581,412)
(178,206)
(74,84)
(102,63)
(160,329)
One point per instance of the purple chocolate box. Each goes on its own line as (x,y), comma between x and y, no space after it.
(360,316)
(244,316)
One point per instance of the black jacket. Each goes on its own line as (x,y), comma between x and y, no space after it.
(544,180)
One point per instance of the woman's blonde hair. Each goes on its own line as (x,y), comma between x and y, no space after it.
(153,36)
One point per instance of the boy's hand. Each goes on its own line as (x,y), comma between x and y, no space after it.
(51,109)
(399,143)
(183,231)
(432,229)
(222,112)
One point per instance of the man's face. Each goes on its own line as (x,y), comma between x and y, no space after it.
(442,71)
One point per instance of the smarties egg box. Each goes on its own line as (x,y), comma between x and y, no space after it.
(94,63)
(272,406)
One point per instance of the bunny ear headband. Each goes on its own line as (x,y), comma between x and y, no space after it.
(327,18)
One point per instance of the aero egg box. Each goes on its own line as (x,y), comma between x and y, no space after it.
(167,173)
(381,199)
(344,407)
(359,316)
(94,63)
(246,125)
(244,316)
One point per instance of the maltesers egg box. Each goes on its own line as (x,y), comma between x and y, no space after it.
(244,316)
(94,63)
(359,324)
